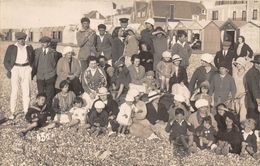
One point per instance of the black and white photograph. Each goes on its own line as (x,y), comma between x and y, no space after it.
(130,82)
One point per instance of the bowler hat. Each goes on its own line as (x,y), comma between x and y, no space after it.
(20,35)
(123,20)
(256,59)
(45,39)
(223,64)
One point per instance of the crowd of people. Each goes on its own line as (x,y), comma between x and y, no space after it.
(126,83)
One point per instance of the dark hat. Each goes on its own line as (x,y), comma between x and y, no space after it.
(102,26)
(256,59)
(85,19)
(123,20)
(45,39)
(223,64)
(226,43)
(20,35)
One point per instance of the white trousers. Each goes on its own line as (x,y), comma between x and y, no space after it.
(21,75)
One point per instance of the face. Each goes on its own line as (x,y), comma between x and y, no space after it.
(78,105)
(41,101)
(239,66)
(102,31)
(144,48)
(156,101)
(177,63)
(177,103)
(204,90)
(110,73)
(65,89)
(240,40)
(257,66)
(124,25)
(129,102)
(102,61)
(85,25)
(120,32)
(69,55)
(229,123)
(206,125)
(99,110)
(203,111)
(45,45)
(221,110)
(21,41)
(149,77)
(203,63)
(223,71)
(93,64)
(182,38)
(103,97)
(136,62)
(179,117)
(148,26)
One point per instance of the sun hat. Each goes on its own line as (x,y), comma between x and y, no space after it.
(176,57)
(207,57)
(179,98)
(153,95)
(201,103)
(67,49)
(241,60)
(102,91)
(150,21)
(166,54)
(129,98)
(99,104)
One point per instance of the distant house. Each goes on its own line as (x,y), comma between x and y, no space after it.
(171,10)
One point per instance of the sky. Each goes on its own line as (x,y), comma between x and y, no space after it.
(39,13)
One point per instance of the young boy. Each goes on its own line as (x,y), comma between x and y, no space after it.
(78,114)
(249,143)
(98,119)
(180,131)
(206,133)
(37,114)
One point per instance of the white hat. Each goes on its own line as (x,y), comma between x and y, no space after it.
(150,21)
(153,95)
(176,57)
(166,54)
(129,98)
(201,103)
(241,60)
(99,104)
(102,91)
(133,92)
(179,98)
(207,57)
(67,49)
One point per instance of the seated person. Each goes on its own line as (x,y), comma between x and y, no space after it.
(36,115)
(78,114)
(180,131)
(98,119)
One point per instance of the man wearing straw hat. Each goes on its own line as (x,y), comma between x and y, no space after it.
(18,62)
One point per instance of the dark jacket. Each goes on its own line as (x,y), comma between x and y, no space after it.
(199,76)
(117,49)
(176,129)
(152,115)
(11,54)
(146,56)
(251,140)
(36,112)
(147,37)
(244,51)
(100,118)
(105,46)
(219,58)
(111,106)
(182,77)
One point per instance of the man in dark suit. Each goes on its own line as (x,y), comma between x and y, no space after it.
(18,62)
(45,69)
(104,43)
(225,55)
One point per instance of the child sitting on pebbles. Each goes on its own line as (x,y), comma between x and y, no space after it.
(36,115)
(78,114)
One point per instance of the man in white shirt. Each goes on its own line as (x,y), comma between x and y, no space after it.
(18,62)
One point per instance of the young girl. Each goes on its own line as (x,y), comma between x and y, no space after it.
(63,102)
(77,112)
(150,82)
(249,144)
(165,70)
(206,133)
(124,117)
(146,57)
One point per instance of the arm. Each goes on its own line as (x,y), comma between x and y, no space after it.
(216,60)
(249,52)
(82,40)
(233,87)
(7,58)
(193,80)
(60,72)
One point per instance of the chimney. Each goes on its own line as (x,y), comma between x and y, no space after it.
(172,11)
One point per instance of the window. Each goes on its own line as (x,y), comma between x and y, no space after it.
(172,12)
(57,35)
(234,15)
(243,15)
(254,14)
(203,11)
(215,15)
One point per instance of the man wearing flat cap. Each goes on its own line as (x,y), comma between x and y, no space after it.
(252,88)
(86,38)
(44,68)
(18,62)
(104,43)
(225,55)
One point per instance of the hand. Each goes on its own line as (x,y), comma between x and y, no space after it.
(35,120)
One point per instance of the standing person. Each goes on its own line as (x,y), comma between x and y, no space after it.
(18,62)
(159,44)
(117,44)
(146,34)
(203,73)
(225,55)
(131,46)
(242,49)
(252,87)
(45,69)
(104,43)
(86,41)
(222,85)
(68,68)
(182,48)
(53,45)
